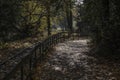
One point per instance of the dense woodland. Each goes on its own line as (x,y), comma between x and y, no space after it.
(26,18)
(21,19)
(103,17)
(100,19)
(60,39)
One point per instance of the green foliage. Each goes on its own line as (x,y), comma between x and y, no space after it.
(3,45)
(25,18)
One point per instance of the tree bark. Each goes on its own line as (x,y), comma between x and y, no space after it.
(48,21)
(69,15)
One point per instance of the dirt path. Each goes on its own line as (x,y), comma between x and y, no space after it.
(70,61)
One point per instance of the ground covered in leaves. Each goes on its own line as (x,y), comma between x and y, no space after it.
(12,48)
(71,61)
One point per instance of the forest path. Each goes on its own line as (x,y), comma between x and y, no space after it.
(70,61)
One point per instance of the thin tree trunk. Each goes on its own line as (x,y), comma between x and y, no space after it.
(106,15)
(69,15)
(48,21)
(71,18)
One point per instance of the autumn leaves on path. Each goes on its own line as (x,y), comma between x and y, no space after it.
(70,61)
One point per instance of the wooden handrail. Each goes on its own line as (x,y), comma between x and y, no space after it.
(22,65)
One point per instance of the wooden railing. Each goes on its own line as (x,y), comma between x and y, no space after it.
(22,65)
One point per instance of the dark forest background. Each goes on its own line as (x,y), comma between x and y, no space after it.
(98,18)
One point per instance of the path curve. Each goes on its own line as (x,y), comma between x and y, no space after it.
(70,61)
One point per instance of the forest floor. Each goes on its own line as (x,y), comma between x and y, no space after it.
(71,60)
(12,48)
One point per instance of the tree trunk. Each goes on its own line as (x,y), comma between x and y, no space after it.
(106,16)
(71,18)
(69,15)
(48,21)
